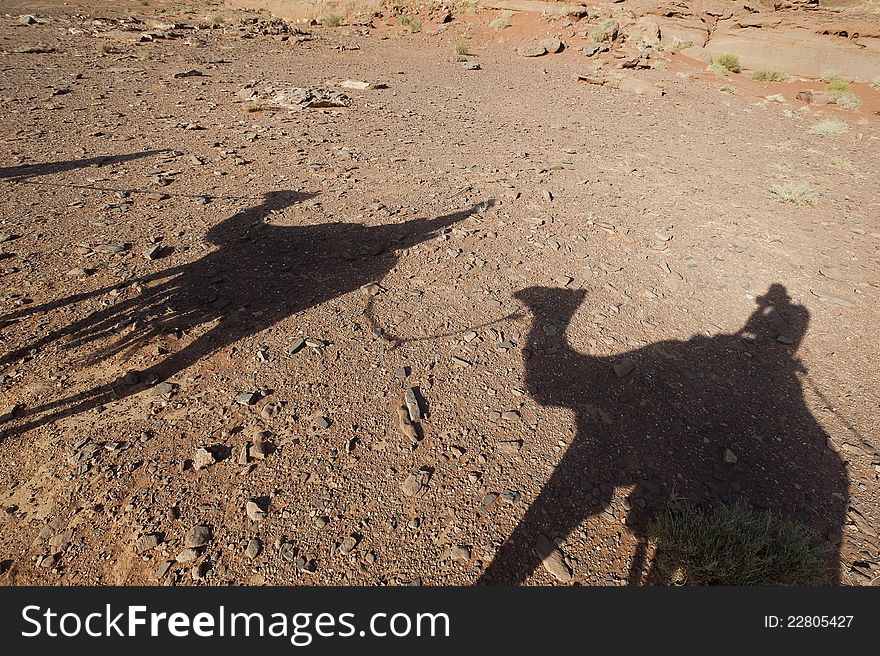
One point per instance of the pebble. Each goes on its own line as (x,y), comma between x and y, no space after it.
(322,422)
(552,559)
(147,542)
(253,549)
(288,551)
(510,447)
(460,553)
(254,512)
(247,398)
(349,544)
(416,483)
(198,536)
(412,404)
(624,368)
(730,457)
(296,345)
(187,556)
(203,458)
(371,289)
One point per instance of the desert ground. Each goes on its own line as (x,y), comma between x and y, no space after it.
(384,301)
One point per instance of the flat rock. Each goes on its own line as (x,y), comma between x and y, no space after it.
(253,549)
(552,559)
(531,50)
(254,512)
(551,45)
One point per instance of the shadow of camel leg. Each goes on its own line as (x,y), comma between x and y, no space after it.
(97,396)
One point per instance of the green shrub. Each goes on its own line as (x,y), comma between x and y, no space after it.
(830,128)
(728,60)
(460,48)
(770,75)
(735,545)
(502,21)
(330,20)
(410,23)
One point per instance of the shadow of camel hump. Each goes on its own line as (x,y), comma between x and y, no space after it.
(258,275)
(710,419)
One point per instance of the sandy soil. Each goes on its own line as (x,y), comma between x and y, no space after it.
(597,294)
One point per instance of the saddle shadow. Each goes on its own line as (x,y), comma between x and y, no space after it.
(709,420)
(258,275)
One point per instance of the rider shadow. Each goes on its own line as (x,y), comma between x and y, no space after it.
(673,427)
(259,275)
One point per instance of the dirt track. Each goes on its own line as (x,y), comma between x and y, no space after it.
(497,210)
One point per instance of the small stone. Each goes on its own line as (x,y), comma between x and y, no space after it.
(247,398)
(162,570)
(187,556)
(371,289)
(624,368)
(471,66)
(27,20)
(9,412)
(784,339)
(203,458)
(402,372)
(349,544)
(406,426)
(296,345)
(198,536)
(510,447)
(271,410)
(147,542)
(730,457)
(259,450)
(461,554)
(254,512)
(416,483)
(412,404)
(199,570)
(153,252)
(253,549)
(552,559)
(322,423)
(288,551)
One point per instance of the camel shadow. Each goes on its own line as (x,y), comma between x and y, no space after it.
(258,275)
(25,171)
(710,420)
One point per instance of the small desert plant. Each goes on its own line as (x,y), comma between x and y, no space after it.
(502,21)
(331,20)
(460,48)
(728,60)
(718,69)
(216,20)
(105,48)
(770,75)
(735,545)
(410,23)
(791,192)
(830,77)
(830,128)
(847,100)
